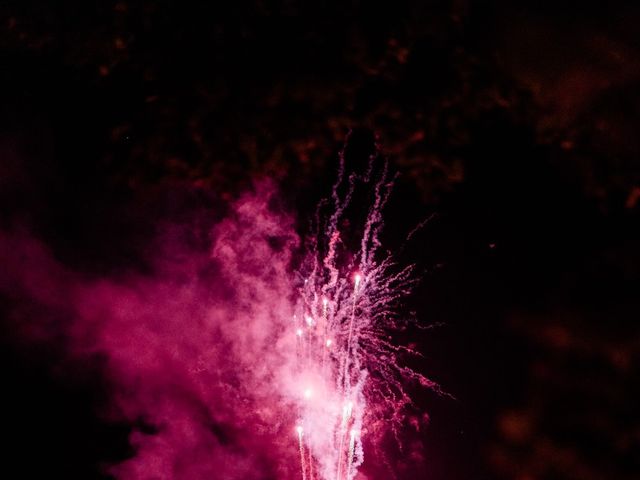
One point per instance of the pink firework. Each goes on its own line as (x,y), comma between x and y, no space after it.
(345,362)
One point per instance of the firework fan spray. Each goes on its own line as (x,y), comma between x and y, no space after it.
(346,365)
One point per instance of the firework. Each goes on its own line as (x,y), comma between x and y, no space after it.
(348,306)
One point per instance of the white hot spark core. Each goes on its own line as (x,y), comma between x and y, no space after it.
(349,308)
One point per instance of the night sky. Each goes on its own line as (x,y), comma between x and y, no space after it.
(513,126)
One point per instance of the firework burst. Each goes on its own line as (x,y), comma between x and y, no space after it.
(346,363)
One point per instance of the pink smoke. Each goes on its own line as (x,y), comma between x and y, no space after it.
(194,349)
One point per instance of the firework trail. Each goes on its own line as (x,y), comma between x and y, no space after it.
(303,463)
(346,364)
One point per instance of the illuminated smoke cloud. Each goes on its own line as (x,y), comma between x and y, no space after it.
(193,350)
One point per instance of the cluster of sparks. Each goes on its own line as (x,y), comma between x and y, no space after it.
(347,365)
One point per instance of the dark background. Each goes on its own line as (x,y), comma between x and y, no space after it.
(515,123)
